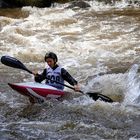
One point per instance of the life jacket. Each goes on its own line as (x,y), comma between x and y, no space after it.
(56,76)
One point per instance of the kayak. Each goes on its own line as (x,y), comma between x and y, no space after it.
(38,90)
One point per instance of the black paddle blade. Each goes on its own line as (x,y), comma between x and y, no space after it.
(13,62)
(95,96)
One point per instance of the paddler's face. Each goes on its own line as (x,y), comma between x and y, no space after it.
(50,62)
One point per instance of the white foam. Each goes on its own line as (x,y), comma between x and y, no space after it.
(133,88)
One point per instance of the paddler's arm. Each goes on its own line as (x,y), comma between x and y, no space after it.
(67,77)
(40,77)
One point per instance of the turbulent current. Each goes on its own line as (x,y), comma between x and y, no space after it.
(99,46)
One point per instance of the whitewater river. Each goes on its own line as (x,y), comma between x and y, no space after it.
(103,40)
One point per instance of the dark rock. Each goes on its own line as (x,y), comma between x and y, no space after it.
(21,3)
(3,4)
(62,1)
(79,4)
(134,2)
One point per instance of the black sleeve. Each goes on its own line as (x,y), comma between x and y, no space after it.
(66,76)
(40,77)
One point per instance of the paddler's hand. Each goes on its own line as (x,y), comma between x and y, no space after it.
(77,87)
(35,73)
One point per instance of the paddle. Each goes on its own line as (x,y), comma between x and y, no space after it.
(13,62)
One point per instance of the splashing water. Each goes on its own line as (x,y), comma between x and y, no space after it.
(132,94)
(79,101)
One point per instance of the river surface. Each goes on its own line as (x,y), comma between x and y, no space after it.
(99,46)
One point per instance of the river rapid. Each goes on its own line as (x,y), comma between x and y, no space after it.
(99,46)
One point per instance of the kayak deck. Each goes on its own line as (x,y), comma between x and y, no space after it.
(36,89)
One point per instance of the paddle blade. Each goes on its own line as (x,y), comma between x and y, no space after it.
(95,96)
(13,62)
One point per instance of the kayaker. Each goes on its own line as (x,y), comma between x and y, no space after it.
(53,72)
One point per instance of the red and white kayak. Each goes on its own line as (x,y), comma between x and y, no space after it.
(32,89)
